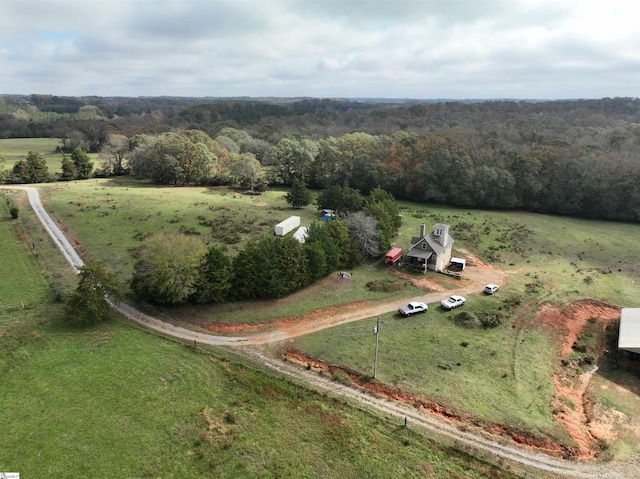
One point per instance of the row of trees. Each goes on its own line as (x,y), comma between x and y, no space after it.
(459,168)
(34,169)
(179,269)
(570,157)
(176,269)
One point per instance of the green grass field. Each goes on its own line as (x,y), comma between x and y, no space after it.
(21,282)
(113,401)
(559,256)
(14,149)
(497,375)
(500,375)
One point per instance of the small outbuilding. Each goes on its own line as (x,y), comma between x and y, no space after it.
(327,214)
(629,335)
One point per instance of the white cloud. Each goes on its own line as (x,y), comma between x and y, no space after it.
(405,48)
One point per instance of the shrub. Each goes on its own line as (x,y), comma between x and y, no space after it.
(467,320)
(385,285)
(14,211)
(492,320)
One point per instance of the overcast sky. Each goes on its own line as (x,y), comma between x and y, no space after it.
(322,48)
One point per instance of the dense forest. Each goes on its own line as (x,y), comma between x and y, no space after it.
(571,157)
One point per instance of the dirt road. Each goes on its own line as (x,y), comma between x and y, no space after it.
(477,443)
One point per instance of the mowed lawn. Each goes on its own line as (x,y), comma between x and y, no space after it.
(109,400)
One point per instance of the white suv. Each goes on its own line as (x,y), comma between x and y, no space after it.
(490,288)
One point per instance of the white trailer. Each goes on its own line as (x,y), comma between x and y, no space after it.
(301,234)
(288,225)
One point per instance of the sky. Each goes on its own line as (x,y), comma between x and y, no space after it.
(423,49)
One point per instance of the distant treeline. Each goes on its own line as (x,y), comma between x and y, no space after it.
(572,157)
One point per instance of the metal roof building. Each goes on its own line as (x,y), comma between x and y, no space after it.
(629,336)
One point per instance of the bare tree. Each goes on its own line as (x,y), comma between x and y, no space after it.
(364,230)
(114,154)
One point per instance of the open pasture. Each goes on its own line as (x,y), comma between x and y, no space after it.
(113,400)
(22,283)
(111,217)
(498,375)
(556,258)
(14,149)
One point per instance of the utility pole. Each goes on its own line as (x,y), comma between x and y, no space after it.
(376,331)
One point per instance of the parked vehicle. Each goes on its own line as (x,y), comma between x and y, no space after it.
(415,307)
(452,302)
(393,256)
(491,288)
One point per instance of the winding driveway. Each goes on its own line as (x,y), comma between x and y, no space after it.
(465,439)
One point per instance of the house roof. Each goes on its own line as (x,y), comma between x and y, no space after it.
(629,336)
(433,243)
(421,253)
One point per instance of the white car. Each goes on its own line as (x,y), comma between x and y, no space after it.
(414,307)
(452,302)
(491,288)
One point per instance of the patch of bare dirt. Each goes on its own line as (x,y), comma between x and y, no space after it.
(570,320)
(427,283)
(475,261)
(571,403)
(288,322)
(606,421)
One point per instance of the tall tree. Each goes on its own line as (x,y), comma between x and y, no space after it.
(245,265)
(292,158)
(316,261)
(349,250)
(383,207)
(272,267)
(82,164)
(33,169)
(299,195)
(247,171)
(68,169)
(169,269)
(216,277)
(90,301)
(341,199)
(364,230)
(114,154)
(318,234)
